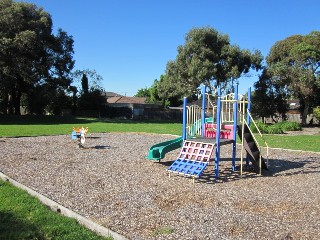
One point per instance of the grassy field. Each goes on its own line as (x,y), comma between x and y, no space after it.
(300,142)
(49,125)
(11,126)
(24,217)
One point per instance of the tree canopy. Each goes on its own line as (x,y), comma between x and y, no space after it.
(90,92)
(269,99)
(207,57)
(294,62)
(32,59)
(152,94)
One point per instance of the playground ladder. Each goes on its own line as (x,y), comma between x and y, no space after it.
(194,157)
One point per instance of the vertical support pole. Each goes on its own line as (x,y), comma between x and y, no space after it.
(248,119)
(235,122)
(184,119)
(249,106)
(217,158)
(203,111)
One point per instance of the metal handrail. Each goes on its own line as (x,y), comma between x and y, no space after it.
(267,146)
(254,138)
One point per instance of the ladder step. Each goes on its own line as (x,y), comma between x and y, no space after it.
(188,167)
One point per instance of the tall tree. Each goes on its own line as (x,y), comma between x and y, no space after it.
(143,92)
(94,80)
(206,57)
(30,54)
(151,94)
(269,99)
(294,62)
(85,84)
(91,93)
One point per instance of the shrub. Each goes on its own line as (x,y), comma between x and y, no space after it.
(316,113)
(267,129)
(262,127)
(289,126)
(274,129)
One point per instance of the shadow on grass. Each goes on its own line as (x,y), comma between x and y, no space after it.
(42,120)
(48,120)
(11,227)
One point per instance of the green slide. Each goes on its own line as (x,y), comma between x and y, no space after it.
(157,151)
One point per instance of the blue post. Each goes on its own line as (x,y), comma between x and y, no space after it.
(235,122)
(203,110)
(184,119)
(217,158)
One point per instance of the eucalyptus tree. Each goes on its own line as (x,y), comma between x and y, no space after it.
(87,80)
(207,57)
(294,62)
(269,99)
(31,56)
(89,88)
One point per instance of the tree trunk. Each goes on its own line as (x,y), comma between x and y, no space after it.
(9,104)
(16,102)
(305,111)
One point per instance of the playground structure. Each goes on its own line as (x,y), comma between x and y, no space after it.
(79,133)
(214,124)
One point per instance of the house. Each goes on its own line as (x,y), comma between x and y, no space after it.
(111,94)
(126,100)
(137,104)
(294,106)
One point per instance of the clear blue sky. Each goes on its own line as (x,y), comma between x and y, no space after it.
(129,42)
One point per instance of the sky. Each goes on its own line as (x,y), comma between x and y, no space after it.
(129,42)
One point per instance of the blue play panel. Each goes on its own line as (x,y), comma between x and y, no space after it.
(188,167)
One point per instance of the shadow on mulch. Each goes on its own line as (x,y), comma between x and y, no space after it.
(276,167)
(95,147)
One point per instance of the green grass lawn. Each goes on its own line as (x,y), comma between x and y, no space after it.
(301,142)
(24,217)
(11,126)
(49,125)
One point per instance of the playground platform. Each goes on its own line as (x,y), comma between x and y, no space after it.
(212,140)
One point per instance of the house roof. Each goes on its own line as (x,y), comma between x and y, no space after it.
(122,99)
(111,94)
(294,104)
(197,102)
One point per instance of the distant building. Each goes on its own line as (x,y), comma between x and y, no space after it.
(294,106)
(111,94)
(126,100)
(137,105)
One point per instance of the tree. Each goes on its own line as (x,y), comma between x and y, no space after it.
(143,92)
(268,99)
(91,92)
(92,81)
(85,84)
(152,94)
(316,113)
(294,62)
(30,54)
(206,57)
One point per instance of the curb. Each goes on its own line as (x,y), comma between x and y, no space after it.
(65,211)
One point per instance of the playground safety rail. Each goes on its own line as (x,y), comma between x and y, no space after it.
(227,106)
(256,141)
(193,121)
